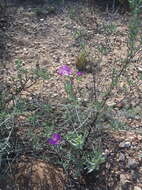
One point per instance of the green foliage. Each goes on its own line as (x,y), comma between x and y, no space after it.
(14,105)
(80,34)
(94,160)
(44,11)
(131,4)
(135,4)
(116,124)
(109,29)
(83,160)
(3,7)
(69,90)
(42,73)
(104,49)
(48,129)
(38,1)
(72,13)
(134,25)
(81,61)
(140,75)
(79,153)
(76,140)
(134,112)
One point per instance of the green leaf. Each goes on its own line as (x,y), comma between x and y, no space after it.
(76,140)
(18,64)
(141,76)
(42,73)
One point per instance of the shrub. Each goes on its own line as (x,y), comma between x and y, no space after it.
(78,149)
(12,105)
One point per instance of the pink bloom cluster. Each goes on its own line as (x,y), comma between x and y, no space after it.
(66,71)
(55,139)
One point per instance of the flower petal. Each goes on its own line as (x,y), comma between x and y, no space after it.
(64,70)
(56,137)
(51,141)
(79,73)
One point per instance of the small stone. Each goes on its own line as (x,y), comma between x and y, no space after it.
(124,182)
(9,44)
(108,165)
(139,69)
(111,103)
(132,163)
(125,144)
(139,137)
(134,175)
(121,157)
(120,105)
(137,188)
(107,152)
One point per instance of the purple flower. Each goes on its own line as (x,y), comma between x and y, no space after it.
(79,73)
(64,70)
(56,138)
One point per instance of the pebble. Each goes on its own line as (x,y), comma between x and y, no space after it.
(124,182)
(106,152)
(132,163)
(134,175)
(126,144)
(137,188)
(139,69)
(108,165)
(121,157)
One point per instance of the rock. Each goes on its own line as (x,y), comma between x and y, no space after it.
(121,157)
(139,137)
(137,188)
(9,44)
(132,163)
(126,144)
(106,152)
(108,165)
(139,69)
(134,175)
(111,103)
(124,182)
(120,105)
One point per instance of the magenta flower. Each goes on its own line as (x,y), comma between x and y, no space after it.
(56,138)
(79,73)
(64,70)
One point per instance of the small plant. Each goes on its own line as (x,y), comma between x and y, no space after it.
(38,2)
(78,150)
(109,29)
(84,63)
(94,160)
(74,154)
(80,34)
(3,7)
(13,106)
(72,13)
(81,61)
(43,12)
(104,50)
